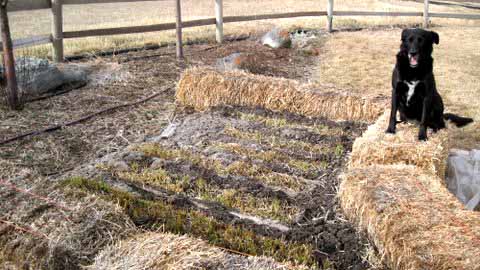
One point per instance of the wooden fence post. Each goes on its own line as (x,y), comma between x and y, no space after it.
(219,19)
(57,30)
(179,29)
(9,60)
(425,14)
(330,16)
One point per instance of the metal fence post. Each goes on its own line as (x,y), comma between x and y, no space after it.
(330,16)
(57,30)
(179,29)
(219,19)
(425,14)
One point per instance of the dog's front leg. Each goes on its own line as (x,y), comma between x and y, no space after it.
(393,114)
(427,104)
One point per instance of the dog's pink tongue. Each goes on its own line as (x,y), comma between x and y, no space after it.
(413,60)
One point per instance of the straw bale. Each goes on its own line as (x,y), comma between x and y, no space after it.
(415,222)
(56,237)
(202,88)
(174,252)
(377,147)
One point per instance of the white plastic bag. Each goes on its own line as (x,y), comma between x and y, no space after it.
(463,177)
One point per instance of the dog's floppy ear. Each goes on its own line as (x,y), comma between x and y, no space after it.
(435,37)
(405,34)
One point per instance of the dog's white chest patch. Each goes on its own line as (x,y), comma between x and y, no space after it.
(411,89)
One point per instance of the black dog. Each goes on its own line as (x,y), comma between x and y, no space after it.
(414,92)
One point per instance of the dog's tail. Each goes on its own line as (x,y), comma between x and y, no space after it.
(457,120)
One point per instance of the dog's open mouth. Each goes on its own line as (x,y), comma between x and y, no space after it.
(413,60)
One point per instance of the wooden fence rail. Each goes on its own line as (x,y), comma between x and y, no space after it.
(58,35)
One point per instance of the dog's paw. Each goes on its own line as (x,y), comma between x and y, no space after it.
(390,130)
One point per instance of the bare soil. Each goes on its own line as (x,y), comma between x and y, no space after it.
(202,139)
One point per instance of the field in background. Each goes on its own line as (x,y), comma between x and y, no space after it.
(363,61)
(93,16)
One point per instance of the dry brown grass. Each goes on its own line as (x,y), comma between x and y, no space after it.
(363,61)
(203,88)
(81,17)
(415,222)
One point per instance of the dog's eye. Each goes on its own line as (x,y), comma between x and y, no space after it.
(420,40)
(410,39)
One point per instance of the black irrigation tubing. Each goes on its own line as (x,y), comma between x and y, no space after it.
(83,119)
(144,48)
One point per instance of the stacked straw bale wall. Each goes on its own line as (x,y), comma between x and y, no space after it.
(394,190)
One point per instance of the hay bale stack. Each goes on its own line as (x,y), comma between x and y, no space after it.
(202,88)
(169,251)
(377,147)
(413,219)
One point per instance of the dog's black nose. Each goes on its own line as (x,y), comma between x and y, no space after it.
(412,52)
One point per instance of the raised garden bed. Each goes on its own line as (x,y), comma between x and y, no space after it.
(249,180)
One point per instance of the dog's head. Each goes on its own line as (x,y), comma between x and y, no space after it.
(417,45)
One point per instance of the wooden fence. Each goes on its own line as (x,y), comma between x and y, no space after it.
(58,35)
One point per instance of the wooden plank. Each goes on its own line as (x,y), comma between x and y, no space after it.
(136,29)
(425,14)
(330,16)
(19,5)
(57,30)
(119,30)
(31,41)
(376,13)
(219,20)
(186,24)
(230,19)
(178,26)
(24,5)
(83,2)
(456,16)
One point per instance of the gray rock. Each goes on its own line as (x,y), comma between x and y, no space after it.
(37,76)
(168,131)
(229,62)
(277,38)
(239,61)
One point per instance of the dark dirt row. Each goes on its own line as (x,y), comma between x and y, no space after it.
(268,193)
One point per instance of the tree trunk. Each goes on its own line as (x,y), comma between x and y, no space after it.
(8,60)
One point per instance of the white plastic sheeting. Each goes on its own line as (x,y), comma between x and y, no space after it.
(463,177)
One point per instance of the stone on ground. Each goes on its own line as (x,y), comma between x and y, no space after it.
(37,76)
(277,38)
(238,61)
